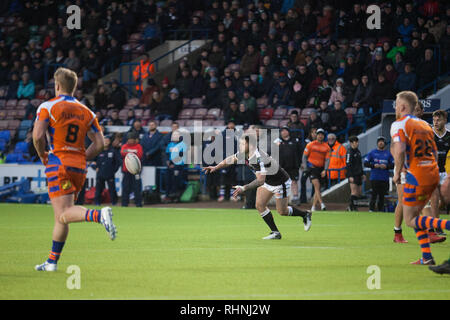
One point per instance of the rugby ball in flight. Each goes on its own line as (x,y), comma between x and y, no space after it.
(132,163)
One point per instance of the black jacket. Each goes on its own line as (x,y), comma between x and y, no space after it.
(354,163)
(290,153)
(108,162)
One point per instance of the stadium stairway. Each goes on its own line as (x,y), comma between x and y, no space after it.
(166,65)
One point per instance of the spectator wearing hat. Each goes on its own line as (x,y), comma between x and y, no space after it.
(130,182)
(323,92)
(13,86)
(196,84)
(380,161)
(213,95)
(296,127)
(249,102)
(170,106)
(183,84)
(247,86)
(337,93)
(250,61)
(280,94)
(165,86)
(117,97)
(352,69)
(360,53)
(231,113)
(406,81)
(290,154)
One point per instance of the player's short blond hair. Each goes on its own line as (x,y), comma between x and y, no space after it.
(410,98)
(67,79)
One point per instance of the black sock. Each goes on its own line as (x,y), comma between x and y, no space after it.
(398,231)
(352,200)
(268,219)
(297,212)
(431,230)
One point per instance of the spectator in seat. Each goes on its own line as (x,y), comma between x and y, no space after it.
(314,121)
(170,106)
(378,65)
(323,112)
(350,91)
(296,127)
(26,88)
(115,121)
(137,129)
(232,112)
(165,87)
(280,94)
(72,61)
(363,95)
(390,73)
(183,83)
(151,34)
(351,69)
(382,89)
(405,30)
(37,73)
(147,96)
(130,117)
(250,61)
(249,102)
(216,57)
(213,95)
(153,145)
(299,94)
(323,92)
(399,47)
(197,84)
(244,115)
(337,93)
(13,86)
(427,69)
(406,81)
(399,64)
(117,97)
(156,102)
(338,118)
(100,98)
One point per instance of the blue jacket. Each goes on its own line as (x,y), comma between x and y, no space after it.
(153,147)
(405,82)
(377,156)
(176,152)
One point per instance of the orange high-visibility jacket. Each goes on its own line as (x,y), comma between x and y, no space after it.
(146,69)
(337,161)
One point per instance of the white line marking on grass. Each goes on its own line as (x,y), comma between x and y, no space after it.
(282,295)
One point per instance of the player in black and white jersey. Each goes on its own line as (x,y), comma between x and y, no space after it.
(442,139)
(271,180)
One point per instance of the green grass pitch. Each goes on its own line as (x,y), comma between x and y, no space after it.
(215,254)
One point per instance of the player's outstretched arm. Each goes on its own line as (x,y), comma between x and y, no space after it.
(223,164)
(97,145)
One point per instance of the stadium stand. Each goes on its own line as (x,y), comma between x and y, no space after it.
(273,57)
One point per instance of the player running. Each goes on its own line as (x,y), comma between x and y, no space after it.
(268,183)
(414,148)
(317,158)
(67,122)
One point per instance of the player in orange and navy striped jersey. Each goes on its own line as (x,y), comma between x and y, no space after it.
(66,122)
(414,147)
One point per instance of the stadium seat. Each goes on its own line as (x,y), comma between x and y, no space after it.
(283,123)
(197,101)
(21,147)
(234,67)
(272,123)
(3,92)
(11,114)
(3,124)
(207,123)
(200,113)
(2,114)
(181,122)
(41,94)
(5,135)
(165,123)
(135,38)
(213,114)
(265,114)
(21,114)
(186,113)
(218,123)
(13,124)
(2,145)
(11,104)
(123,114)
(186,101)
(25,124)
(189,123)
(138,113)
(133,102)
(147,114)
(2,103)
(279,113)
(22,134)
(23,103)
(306,113)
(193,106)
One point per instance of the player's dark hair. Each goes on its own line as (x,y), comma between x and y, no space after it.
(440,114)
(353,139)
